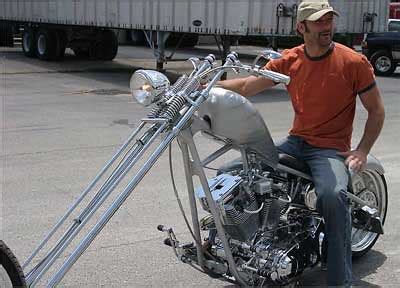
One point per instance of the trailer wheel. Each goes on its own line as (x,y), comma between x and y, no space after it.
(29,42)
(107,47)
(46,44)
(9,264)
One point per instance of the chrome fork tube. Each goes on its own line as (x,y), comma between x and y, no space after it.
(111,210)
(84,244)
(82,196)
(34,276)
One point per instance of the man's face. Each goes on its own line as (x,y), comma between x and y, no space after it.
(319,32)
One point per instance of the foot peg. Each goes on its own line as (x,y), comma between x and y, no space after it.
(364,218)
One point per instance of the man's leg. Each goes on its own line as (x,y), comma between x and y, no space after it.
(331,178)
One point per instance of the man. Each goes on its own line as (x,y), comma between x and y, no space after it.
(326,78)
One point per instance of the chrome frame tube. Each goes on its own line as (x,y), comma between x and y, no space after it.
(192,200)
(217,154)
(220,229)
(82,196)
(63,243)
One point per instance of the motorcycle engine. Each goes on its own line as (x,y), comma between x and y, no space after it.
(270,240)
(236,206)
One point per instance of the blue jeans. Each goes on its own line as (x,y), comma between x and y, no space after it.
(330,176)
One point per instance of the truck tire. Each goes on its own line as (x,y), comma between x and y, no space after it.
(29,42)
(46,44)
(107,46)
(11,266)
(383,63)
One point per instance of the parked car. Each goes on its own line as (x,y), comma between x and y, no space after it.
(383,49)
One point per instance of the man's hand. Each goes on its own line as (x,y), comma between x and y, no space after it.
(356,160)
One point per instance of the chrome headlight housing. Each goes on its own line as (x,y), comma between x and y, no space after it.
(147,85)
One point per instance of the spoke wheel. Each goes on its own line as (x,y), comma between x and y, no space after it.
(370,186)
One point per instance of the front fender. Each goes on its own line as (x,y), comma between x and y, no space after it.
(374,164)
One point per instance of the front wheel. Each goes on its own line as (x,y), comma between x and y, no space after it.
(371,187)
(11,274)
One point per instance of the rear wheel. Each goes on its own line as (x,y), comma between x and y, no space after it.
(383,63)
(47,44)
(107,47)
(29,42)
(11,274)
(371,187)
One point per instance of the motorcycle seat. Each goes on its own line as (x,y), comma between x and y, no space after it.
(294,163)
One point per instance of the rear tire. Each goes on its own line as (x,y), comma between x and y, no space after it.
(47,44)
(371,187)
(29,42)
(383,63)
(107,47)
(10,264)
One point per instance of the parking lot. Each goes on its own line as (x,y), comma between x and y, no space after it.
(62,121)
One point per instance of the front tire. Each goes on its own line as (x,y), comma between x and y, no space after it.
(371,187)
(10,271)
(383,63)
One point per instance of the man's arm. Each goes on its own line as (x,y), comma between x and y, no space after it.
(248,86)
(372,101)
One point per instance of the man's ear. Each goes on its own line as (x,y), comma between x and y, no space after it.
(301,28)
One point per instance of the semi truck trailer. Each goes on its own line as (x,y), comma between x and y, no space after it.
(89,27)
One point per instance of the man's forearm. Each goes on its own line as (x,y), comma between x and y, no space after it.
(372,129)
(235,85)
(248,86)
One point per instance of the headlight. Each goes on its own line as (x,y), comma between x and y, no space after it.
(147,85)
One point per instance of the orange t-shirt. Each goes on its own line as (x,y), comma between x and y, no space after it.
(323,92)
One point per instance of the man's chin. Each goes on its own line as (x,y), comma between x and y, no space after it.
(325,43)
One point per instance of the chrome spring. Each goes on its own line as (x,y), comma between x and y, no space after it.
(178,101)
(157,110)
(174,107)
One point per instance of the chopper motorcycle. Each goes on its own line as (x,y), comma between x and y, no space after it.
(259,224)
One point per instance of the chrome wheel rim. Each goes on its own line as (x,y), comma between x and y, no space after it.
(41,44)
(383,63)
(5,281)
(369,186)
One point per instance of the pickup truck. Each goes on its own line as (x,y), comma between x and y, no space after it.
(383,49)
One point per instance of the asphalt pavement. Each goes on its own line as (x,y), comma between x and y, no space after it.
(61,122)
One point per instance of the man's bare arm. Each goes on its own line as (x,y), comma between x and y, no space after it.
(248,86)
(373,103)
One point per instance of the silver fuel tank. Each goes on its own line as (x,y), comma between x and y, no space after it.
(233,117)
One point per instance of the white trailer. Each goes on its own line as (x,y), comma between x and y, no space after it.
(84,25)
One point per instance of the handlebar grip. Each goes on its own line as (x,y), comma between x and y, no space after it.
(275,76)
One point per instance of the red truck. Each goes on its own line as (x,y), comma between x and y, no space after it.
(394,12)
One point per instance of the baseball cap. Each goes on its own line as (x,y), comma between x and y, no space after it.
(313,10)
